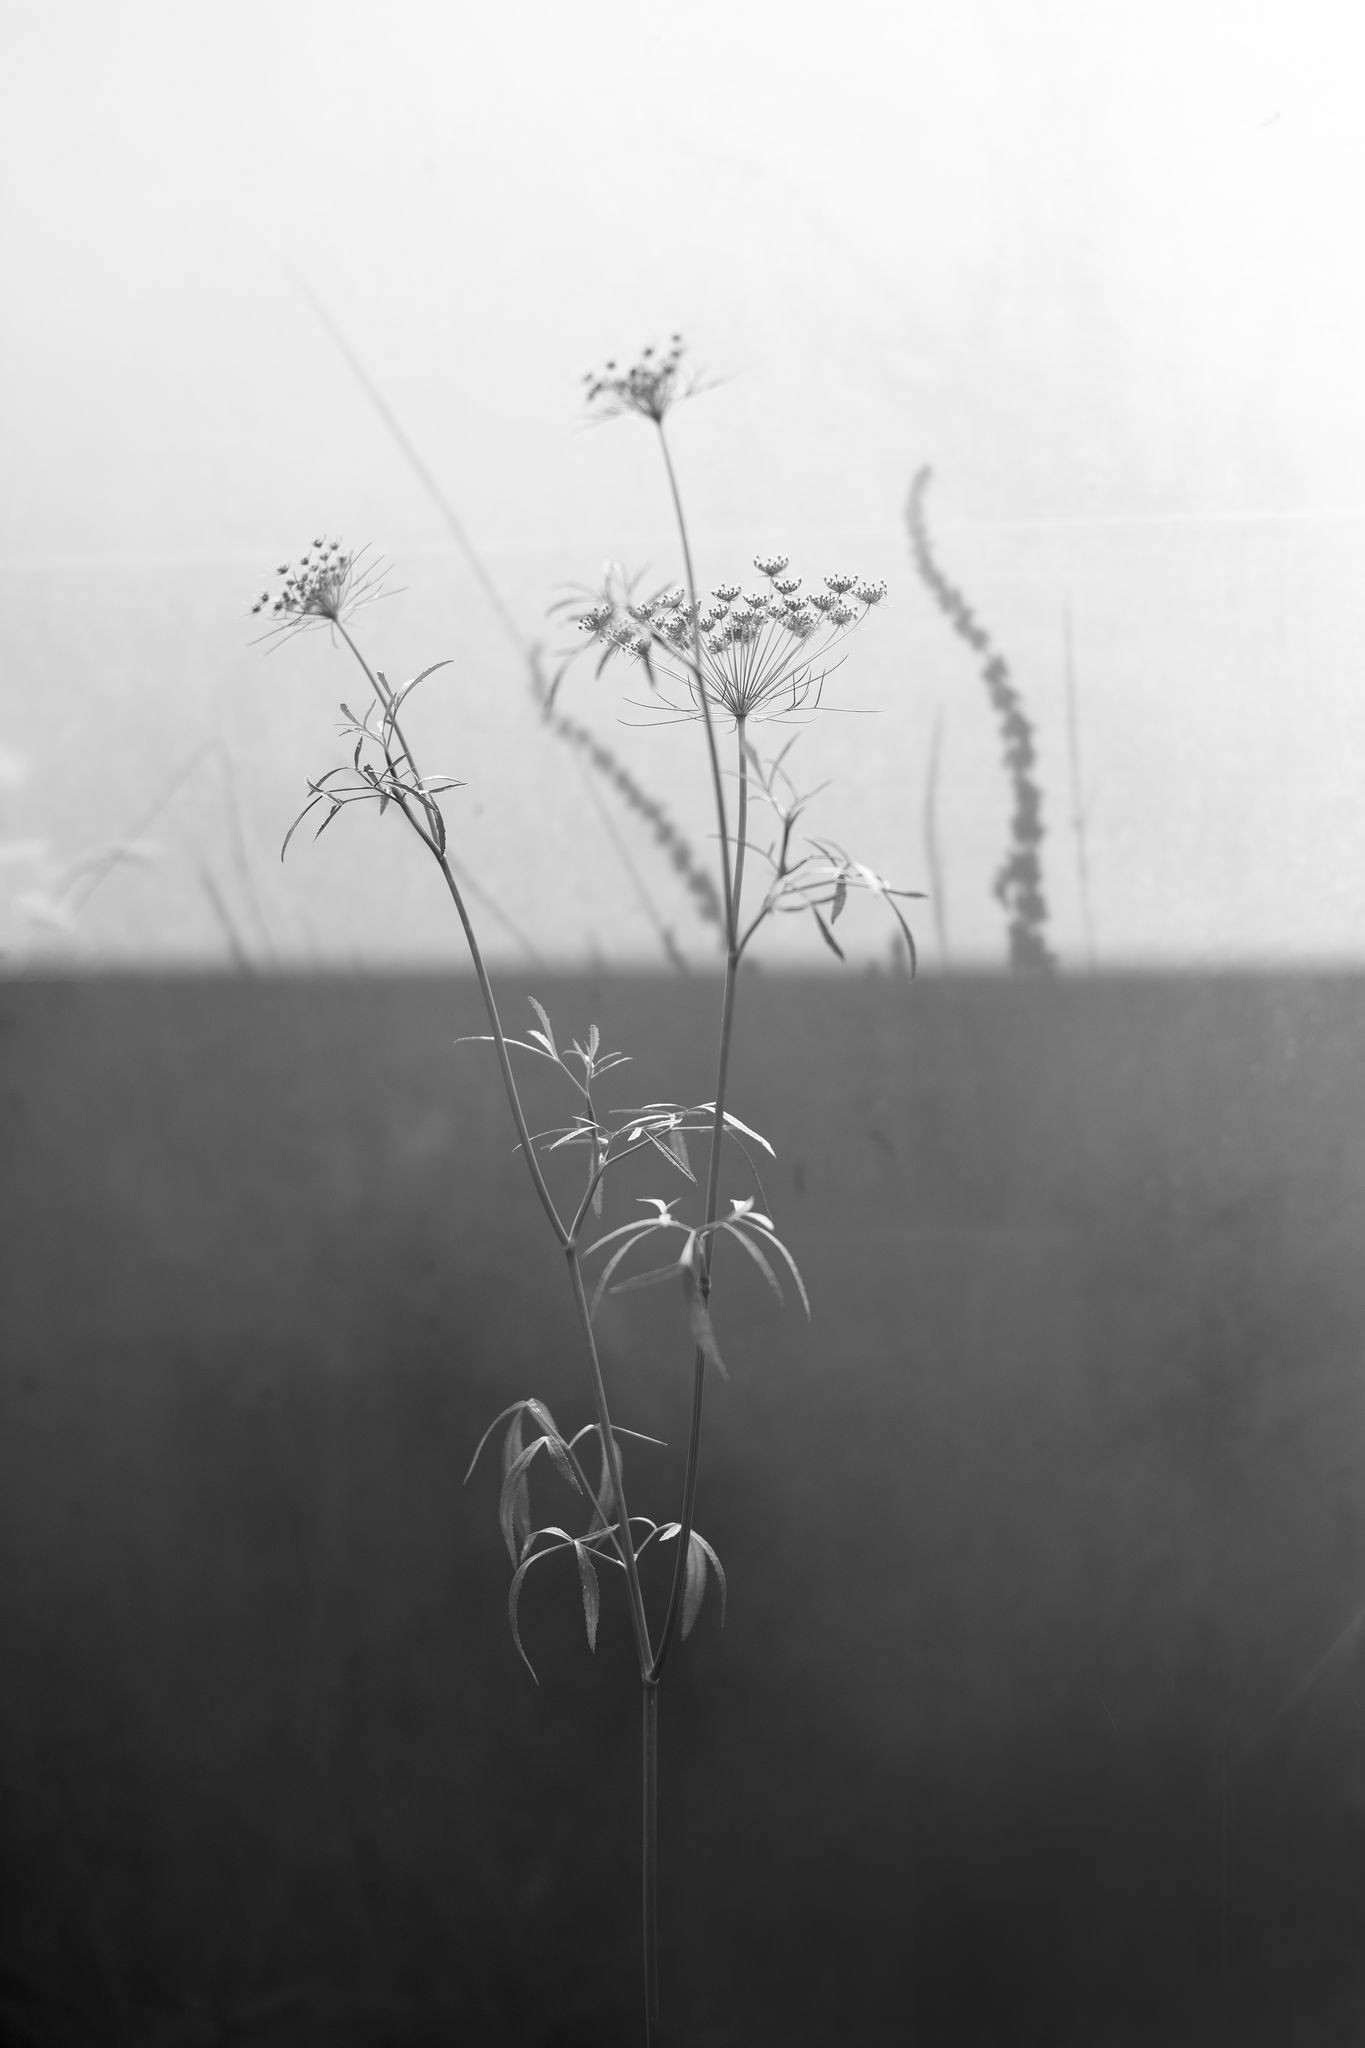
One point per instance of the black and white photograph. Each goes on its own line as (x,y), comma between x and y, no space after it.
(682,1024)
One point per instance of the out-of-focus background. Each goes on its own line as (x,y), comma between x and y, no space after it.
(1099,266)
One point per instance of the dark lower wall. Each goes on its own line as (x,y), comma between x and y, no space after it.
(1016,1731)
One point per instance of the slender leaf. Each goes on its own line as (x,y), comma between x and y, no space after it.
(514,1590)
(487,1433)
(297,822)
(606,1492)
(402,695)
(650,1279)
(694,1584)
(732,1123)
(718,1568)
(514,1444)
(771,1238)
(673,1151)
(641,1230)
(592,1598)
(554,1443)
(546,1025)
(662,1221)
(826,934)
(699,1555)
(513,1481)
(756,1255)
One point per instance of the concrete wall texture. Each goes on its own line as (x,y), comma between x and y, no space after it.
(1021,1728)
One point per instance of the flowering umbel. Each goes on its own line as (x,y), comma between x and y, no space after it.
(323,588)
(649,387)
(758,653)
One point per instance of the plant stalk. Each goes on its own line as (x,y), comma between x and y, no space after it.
(717,785)
(476,956)
(727,1022)
(626,1545)
(649,1856)
(625,1542)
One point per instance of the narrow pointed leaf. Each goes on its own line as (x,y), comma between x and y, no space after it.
(297,822)
(487,1433)
(732,1123)
(408,688)
(756,1255)
(651,1278)
(335,812)
(678,1144)
(716,1566)
(513,1483)
(826,934)
(592,1598)
(606,1492)
(637,1231)
(546,1025)
(670,1151)
(554,1443)
(514,1591)
(694,1582)
(514,1444)
(774,1243)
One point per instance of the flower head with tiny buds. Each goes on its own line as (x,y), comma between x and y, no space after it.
(761,652)
(651,385)
(323,588)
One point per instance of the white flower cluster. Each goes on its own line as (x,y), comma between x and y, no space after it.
(649,387)
(323,588)
(753,652)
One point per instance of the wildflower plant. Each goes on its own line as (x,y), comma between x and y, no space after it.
(733,661)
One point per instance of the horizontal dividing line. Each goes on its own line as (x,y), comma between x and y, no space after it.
(252,560)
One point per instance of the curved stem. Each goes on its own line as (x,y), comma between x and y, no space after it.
(504,1060)
(476,956)
(625,1541)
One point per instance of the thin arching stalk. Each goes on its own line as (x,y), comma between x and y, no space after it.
(476,956)
(566,1239)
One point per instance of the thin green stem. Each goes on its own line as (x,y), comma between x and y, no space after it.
(727,1025)
(717,784)
(566,1239)
(638,1619)
(504,1059)
(476,956)
(649,1858)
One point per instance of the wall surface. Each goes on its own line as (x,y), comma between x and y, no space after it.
(1021,1726)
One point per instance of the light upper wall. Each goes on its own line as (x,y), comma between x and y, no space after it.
(1099,265)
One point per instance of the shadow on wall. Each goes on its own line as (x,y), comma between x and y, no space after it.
(1031,1535)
